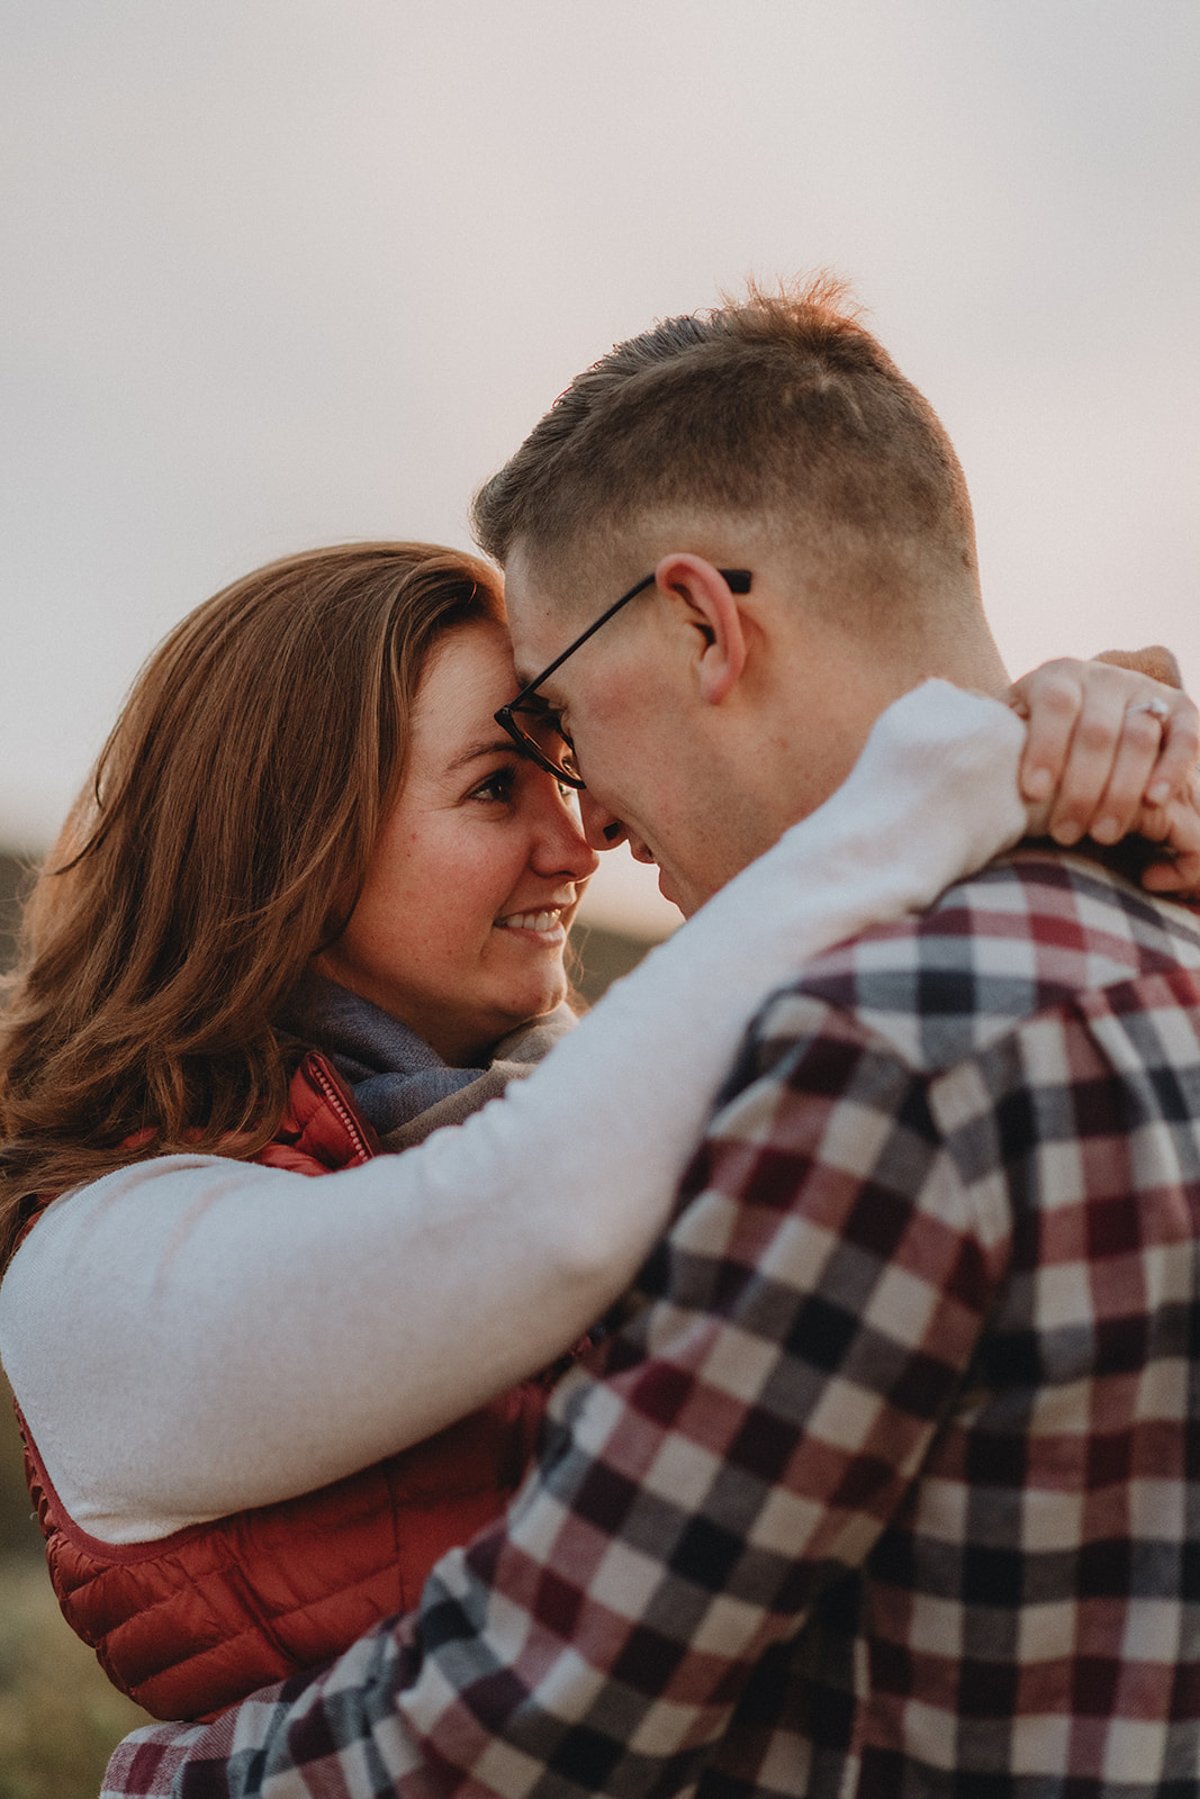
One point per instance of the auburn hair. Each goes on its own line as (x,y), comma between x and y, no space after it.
(222,840)
(779,406)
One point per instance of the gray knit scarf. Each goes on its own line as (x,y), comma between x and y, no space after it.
(401,1086)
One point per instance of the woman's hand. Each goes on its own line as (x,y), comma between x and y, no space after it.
(1112,749)
(1177,825)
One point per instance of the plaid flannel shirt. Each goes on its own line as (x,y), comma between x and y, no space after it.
(890,1484)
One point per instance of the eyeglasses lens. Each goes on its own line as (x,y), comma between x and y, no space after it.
(541,735)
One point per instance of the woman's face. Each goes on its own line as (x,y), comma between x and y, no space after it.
(471,888)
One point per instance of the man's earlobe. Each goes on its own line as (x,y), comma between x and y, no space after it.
(721,665)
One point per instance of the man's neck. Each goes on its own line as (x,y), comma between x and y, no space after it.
(822,709)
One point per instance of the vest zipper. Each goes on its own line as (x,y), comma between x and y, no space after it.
(338,1105)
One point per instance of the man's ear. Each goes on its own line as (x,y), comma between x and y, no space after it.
(712,611)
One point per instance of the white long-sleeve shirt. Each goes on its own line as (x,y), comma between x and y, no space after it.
(193,1335)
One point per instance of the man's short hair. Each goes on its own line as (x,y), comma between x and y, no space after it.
(780,407)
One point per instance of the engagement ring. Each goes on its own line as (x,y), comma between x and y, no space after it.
(1158,709)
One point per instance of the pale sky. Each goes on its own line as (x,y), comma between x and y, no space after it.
(278,273)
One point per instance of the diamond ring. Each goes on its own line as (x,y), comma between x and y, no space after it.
(1158,709)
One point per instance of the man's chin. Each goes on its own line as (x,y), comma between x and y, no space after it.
(675,895)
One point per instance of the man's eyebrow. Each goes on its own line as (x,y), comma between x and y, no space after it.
(499,746)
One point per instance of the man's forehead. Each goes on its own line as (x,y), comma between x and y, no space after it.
(530,636)
(536,622)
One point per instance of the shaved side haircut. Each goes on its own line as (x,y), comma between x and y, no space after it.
(781,408)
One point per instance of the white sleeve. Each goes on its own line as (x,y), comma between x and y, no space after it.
(194,1335)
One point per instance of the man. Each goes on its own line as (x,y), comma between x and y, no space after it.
(888,1485)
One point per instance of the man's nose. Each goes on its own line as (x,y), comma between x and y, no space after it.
(603,829)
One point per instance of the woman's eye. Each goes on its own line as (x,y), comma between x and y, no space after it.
(498,786)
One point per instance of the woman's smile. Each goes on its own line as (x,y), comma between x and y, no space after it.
(547,924)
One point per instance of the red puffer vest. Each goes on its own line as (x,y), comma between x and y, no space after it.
(192,1622)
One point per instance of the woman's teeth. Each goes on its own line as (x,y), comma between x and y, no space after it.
(529,921)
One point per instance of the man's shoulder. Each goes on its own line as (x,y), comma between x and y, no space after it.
(1032,932)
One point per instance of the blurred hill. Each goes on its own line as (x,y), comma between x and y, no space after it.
(12,876)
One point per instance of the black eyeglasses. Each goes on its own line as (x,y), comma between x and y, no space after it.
(536,728)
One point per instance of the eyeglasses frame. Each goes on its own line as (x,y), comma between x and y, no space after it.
(736,579)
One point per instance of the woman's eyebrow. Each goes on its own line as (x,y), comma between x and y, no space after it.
(498,746)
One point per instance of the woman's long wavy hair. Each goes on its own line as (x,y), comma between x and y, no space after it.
(222,841)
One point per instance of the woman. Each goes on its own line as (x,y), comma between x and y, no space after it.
(296,919)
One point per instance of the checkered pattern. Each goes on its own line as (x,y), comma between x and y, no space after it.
(890,1484)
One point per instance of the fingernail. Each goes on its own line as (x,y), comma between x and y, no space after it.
(1107,830)
(1038,783)
(1158,793)
(1066,833)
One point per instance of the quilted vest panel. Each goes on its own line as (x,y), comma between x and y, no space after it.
(191,1623)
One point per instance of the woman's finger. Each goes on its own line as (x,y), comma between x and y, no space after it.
(1137,755)
(1177,826)
(1050,699)
(1180,744)
(1179,750)
(1092,755)
(1180,872)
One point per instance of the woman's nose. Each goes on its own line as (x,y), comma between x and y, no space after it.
(563,845)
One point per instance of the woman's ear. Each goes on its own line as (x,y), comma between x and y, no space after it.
(711,610)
